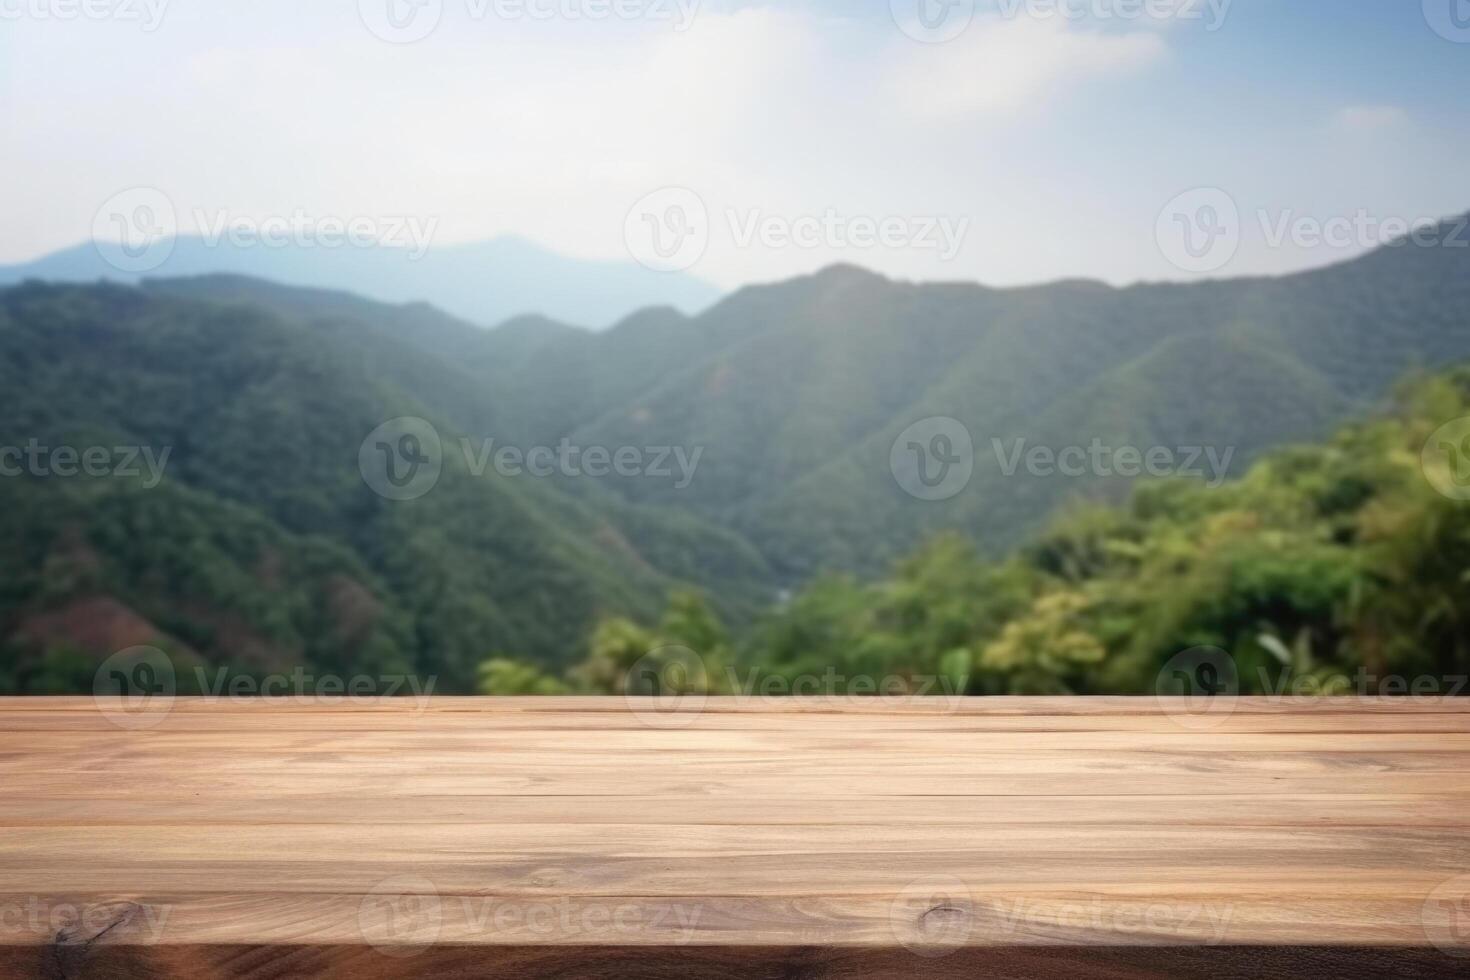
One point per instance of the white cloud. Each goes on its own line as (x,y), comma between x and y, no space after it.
(1001,66)
(550,131)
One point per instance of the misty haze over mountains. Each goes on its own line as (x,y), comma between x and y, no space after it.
(485,283)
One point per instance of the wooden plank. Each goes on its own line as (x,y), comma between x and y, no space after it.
(165,806)
(355,962)
(738,837)
(875,714)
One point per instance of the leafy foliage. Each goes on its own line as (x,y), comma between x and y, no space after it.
(263,546)
(1325,569)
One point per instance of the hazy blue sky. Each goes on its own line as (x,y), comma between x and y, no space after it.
(1056,141)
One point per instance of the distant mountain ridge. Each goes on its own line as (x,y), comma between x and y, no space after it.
(798,390)
(794,393)
(484,283)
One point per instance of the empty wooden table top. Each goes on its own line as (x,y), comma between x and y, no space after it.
(765,837)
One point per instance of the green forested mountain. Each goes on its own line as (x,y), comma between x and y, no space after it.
(797,391)
(264,546)
(1326,569)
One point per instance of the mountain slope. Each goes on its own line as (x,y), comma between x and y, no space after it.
(263,418)
(796,391)
(793,395)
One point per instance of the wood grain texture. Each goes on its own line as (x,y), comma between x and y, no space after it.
(802,837)
(732,963)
